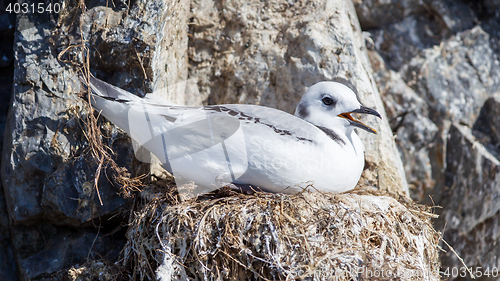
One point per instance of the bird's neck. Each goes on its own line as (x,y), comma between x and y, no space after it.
(336,124)
(341,128)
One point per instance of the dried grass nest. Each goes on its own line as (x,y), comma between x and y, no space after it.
(358,235)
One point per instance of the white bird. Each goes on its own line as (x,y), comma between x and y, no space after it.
(247,145)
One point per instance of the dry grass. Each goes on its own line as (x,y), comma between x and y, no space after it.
(78,55)
(308,236)
(102,154)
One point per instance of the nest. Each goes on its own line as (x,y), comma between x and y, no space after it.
(308,236)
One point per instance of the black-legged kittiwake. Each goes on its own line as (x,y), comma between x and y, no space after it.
(243,144)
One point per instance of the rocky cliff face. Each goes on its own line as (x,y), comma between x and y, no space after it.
(434,63)
(8,270)
(437,67)
(55,212)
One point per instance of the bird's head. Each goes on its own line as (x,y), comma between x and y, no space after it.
(328,103)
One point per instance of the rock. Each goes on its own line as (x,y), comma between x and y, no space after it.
(399,42)
(438,72)
(415,133)
(65,249)
(446,83)
(472,173)
(491,6)
(454,16)
(34,122)
(7,24)
(47,170)
(455,80)
(457,77)
(6,77)
(447,15)
(477,247)
(269,53)
(8,268)
(470,206)
(143,46)
(77,204)
(486,126)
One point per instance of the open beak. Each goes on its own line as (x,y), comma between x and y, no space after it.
(354,122)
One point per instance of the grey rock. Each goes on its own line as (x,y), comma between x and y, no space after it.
(44,123)
(6,53)
(478,248)
(398,43)
(437,20)
(492,6)
(449,83)
(440,83)
(33,124)
(47,172)
(470,200)
(69,198)
(7,24)
(486,128)
(454,80)
(449,15)
(374,13)
(6,77)
(66,249)
(8,268)
(454,16)
(415,133)
(143,46)
(472,173)
(44,134)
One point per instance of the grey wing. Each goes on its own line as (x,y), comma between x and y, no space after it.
(187,130)
(201,129)
(280,122)
(173,132)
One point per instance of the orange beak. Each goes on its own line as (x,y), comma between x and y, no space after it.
(356,123)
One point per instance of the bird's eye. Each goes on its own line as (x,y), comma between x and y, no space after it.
(327,101)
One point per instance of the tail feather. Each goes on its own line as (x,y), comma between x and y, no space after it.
(110,92)
(144,119)
(115,103)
